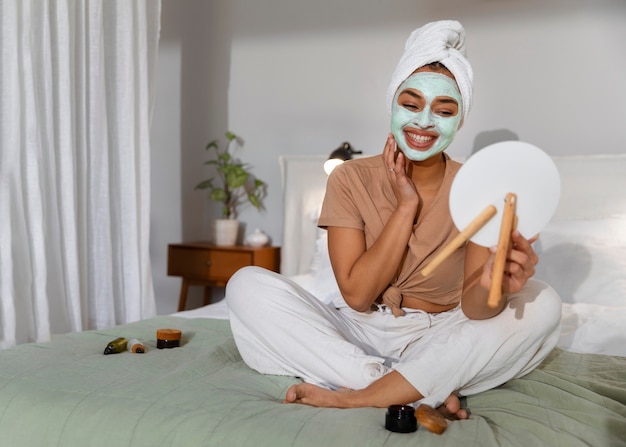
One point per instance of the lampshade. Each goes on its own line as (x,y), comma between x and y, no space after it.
(338,156)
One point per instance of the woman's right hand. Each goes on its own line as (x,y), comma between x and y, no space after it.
(364,273)
(403,187)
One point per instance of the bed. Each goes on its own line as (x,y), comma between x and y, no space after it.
(67,393)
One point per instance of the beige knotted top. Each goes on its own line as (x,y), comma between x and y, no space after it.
(359,195)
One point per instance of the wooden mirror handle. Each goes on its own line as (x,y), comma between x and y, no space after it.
(504,241)
(464,236)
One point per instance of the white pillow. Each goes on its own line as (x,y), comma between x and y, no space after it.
(320,279)
(320,258)
(585,260)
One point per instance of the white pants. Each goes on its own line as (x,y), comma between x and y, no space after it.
(282,329)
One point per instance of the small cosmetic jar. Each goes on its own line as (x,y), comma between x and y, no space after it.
(168,338)
(401,419)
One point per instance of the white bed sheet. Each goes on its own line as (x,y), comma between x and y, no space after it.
(582,250)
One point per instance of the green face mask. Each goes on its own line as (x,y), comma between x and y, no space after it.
(425,122)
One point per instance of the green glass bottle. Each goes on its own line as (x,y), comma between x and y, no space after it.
(117,345)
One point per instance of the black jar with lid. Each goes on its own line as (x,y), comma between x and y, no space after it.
(401,419)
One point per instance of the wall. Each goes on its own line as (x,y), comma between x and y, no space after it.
(191,109)
(294,76)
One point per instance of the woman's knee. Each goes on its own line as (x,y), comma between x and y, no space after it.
(242,289)
(256,290)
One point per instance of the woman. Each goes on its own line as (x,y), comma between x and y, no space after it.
(399,336)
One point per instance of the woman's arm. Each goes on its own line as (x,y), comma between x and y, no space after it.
(362,275)
(519,267)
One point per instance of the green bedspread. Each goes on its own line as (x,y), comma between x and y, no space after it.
(67,393)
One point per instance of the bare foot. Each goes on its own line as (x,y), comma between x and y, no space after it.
(451,408)
(309,394)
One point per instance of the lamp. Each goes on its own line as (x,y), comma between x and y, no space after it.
(338,156)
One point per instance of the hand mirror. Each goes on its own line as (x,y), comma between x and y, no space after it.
(493,172)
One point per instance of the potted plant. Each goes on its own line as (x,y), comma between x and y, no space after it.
(234,187)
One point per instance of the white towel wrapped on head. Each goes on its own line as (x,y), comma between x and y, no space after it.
(442,41)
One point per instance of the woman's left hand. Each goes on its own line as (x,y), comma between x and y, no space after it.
(519,267)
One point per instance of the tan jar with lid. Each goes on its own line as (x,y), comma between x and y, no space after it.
(168,338)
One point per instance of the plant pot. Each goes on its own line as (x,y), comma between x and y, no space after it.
(225,232)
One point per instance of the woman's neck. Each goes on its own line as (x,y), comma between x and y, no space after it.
(428,173)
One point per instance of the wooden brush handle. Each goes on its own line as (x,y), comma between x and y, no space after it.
(504,240)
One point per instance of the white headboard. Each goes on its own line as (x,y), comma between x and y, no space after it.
(304,183)
(592,186)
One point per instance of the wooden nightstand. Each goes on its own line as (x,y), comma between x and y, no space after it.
(204,264)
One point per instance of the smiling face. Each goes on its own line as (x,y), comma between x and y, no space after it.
(426,114)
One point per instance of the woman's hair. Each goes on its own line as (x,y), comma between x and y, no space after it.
(437,66)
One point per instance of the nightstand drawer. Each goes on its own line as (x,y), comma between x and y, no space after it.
(209,265)
(189,262)
(201,263)
(225,263)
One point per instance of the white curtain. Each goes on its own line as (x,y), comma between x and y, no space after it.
(76,95)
